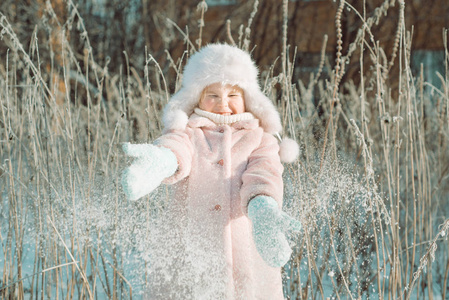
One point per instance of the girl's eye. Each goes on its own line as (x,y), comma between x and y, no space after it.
(234,95)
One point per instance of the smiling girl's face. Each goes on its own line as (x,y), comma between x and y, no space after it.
(223,99)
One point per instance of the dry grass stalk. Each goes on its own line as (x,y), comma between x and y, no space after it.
(228,33)
(202,6)
(246,40)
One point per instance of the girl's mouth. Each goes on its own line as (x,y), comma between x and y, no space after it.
(224,113)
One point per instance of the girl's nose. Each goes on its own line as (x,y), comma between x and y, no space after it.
(223,101)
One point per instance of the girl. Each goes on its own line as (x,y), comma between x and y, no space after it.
(219,153)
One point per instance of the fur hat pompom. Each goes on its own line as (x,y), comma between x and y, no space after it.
(288,150)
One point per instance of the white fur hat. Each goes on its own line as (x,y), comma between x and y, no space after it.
(229,65)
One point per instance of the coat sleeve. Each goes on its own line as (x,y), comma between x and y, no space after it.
(263,175)
(180,144)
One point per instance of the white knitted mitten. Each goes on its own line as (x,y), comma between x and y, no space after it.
(152,165)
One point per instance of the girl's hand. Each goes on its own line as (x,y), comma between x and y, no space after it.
(269,225)
(151,166)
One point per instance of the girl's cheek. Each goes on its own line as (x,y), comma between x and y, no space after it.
(206,104)
(238,105)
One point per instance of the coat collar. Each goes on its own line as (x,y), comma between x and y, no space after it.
(196,121)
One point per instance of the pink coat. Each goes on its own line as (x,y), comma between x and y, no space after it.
(221,167)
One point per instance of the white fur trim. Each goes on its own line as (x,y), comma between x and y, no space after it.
(228,65)
(288,150)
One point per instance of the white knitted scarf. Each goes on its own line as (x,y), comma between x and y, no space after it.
(221,119)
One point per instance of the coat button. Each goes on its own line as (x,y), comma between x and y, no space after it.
(217,207)
(220,162)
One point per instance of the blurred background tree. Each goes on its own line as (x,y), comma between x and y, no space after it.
(122,31)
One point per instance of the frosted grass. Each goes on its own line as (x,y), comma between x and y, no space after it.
(371,193)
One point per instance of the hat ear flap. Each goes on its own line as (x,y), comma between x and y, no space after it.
(175,117)
(180,107)
(263,109)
